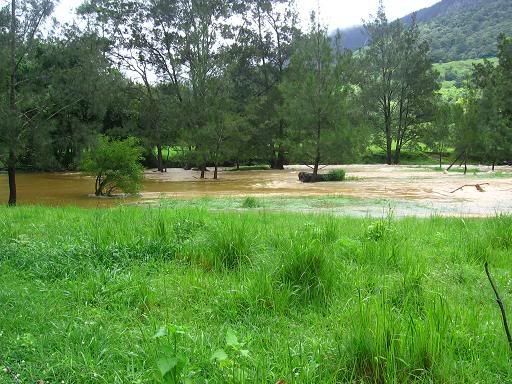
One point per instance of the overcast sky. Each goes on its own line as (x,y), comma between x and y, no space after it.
(333,13)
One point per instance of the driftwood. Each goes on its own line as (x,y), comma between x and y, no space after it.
(500,304)
(477,186)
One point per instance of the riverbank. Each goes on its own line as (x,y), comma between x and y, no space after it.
(126,294)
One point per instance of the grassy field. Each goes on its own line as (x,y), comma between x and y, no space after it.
(183,295)
(452,76)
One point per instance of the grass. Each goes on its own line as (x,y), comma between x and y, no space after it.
(472,171)
(183,295)
(452,76)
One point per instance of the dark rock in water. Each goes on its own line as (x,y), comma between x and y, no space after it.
(306,177)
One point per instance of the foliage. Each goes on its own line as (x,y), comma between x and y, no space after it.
(484,131)
(398,83)
(316,93)
(454,75)
(456,29)
(116,165)
(336,175)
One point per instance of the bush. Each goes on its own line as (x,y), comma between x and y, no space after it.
(336,175)
(116,165)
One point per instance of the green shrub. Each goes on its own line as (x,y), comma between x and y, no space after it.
(116,166)
(335,175)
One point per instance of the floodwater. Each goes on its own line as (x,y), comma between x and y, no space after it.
(428,190)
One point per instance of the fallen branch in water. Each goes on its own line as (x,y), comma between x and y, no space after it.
(500,304)
(477,186)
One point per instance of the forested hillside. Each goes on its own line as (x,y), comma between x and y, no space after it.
(456,29)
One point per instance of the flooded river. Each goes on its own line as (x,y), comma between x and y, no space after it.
(394,183)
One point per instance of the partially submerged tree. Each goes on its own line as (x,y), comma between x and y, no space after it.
(316,90)
(115,164)
(439,133)
(26,18)
(397,81)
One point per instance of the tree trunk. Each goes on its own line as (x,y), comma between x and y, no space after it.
(315,168)
(389,141)
(388,149)
(168,155)
(11,165)
(454,161)
(215,172)
(237,165)
(440,160)
(398,152)
(493,164)
(317,157)
(278,161)
(203,169)
(465,162)
(11,171)
(160,158)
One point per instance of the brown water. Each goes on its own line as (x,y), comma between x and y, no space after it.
(396,183)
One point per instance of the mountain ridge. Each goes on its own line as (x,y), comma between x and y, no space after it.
(456,29)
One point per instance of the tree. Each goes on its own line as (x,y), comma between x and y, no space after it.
(142,35)
(83,96)
(397,82)
(26,17)
(439,132)
(315,91)
(115,165)
(491,98)
(268,46)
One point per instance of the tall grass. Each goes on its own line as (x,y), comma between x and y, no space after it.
(137,295)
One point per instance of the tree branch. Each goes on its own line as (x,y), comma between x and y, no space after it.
(500,304)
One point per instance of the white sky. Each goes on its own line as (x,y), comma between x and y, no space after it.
(333,13)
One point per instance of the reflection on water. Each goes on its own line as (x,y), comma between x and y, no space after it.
(365,181)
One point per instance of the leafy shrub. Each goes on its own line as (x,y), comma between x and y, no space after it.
(335,175)
(116,166)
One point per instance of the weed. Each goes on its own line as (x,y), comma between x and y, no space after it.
(335,175)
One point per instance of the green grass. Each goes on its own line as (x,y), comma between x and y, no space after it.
(472,171)
(452,76)
(177,295)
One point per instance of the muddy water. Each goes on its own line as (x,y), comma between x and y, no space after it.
(365,181)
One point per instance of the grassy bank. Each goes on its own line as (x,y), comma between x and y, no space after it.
(142,295)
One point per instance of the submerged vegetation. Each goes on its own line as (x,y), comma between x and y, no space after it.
(137,295)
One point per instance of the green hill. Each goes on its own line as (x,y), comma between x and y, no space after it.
(453,74)
(456,29)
